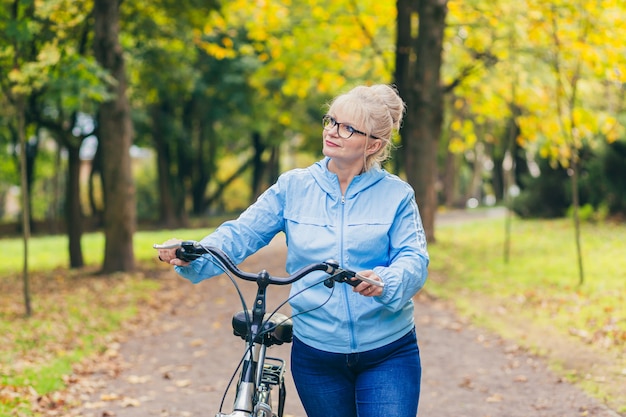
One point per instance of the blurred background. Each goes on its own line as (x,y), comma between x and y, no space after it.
(118,115)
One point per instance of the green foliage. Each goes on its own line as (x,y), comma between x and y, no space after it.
(602,186)
(206,79)
(546,195)
(585,213)
(146,192)
(604,182)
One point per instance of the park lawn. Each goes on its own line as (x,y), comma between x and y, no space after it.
(535,297)
(48,253)
(77,314)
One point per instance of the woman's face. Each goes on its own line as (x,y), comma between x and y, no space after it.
(346,151)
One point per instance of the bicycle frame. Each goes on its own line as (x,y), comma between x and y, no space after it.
(253,395)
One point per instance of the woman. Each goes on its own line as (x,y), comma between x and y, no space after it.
(355,353)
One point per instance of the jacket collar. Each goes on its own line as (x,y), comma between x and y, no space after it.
(329,182)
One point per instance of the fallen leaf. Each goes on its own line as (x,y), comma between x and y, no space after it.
(135,379)
(467,383)
(196,342)
(109,397)
(91,406)
(495,398)
(130,402)
(181,383)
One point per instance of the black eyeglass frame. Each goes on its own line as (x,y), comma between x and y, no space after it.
(329,122)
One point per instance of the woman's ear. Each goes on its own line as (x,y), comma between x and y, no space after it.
(373,146)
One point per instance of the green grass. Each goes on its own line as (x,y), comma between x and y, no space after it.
(542,270)
(48,253)
(536,298)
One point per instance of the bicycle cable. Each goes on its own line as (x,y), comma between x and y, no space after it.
(242,299)
(300,313)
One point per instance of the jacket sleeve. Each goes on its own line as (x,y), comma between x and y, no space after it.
(408,266)
(240,238)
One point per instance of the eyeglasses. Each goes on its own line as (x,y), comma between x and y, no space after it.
(344,130)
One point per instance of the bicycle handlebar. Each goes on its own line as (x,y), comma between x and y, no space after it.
(189,250)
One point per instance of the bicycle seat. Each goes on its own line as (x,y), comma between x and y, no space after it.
(279,328)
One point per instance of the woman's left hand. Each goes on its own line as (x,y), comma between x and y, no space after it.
(369,290)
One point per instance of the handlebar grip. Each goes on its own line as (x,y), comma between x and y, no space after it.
(184,255)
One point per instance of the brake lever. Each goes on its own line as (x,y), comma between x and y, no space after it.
(346,277)
(343,277)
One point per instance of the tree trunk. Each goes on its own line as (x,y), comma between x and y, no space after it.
(167,205)
(53,211)
(25,203)
(418,78)
(204,159)
(258,167)
(115,136)
(576,204)
(73,212)
(273,165)
(95,177)
(403,64)
(450,180)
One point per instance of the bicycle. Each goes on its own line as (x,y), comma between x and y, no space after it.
(259,374)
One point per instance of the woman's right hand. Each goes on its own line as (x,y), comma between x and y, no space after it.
(169,255)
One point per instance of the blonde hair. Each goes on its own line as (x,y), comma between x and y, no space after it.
(379,109)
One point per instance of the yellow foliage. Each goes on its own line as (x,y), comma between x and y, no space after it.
(49,55)
(456,125)
(217,51)
(290,35)
(284,119)
(456,146)
(612,129)
(471,139)
(227,42)
(216,21)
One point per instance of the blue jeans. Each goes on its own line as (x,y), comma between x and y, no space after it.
(375,383)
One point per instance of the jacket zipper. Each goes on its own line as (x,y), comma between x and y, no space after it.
(346,294)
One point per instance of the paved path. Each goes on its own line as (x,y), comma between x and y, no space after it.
(178,365)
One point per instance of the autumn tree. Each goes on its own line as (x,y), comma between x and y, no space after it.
(115,139)
(15,87)
(418,74)
(553,85)
(574,50)
(75,83)
(271,64)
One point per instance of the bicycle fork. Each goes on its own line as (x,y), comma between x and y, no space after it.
(250,387)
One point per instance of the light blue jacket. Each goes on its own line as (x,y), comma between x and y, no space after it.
(376,225)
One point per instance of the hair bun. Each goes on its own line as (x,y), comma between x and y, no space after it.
(392,100)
